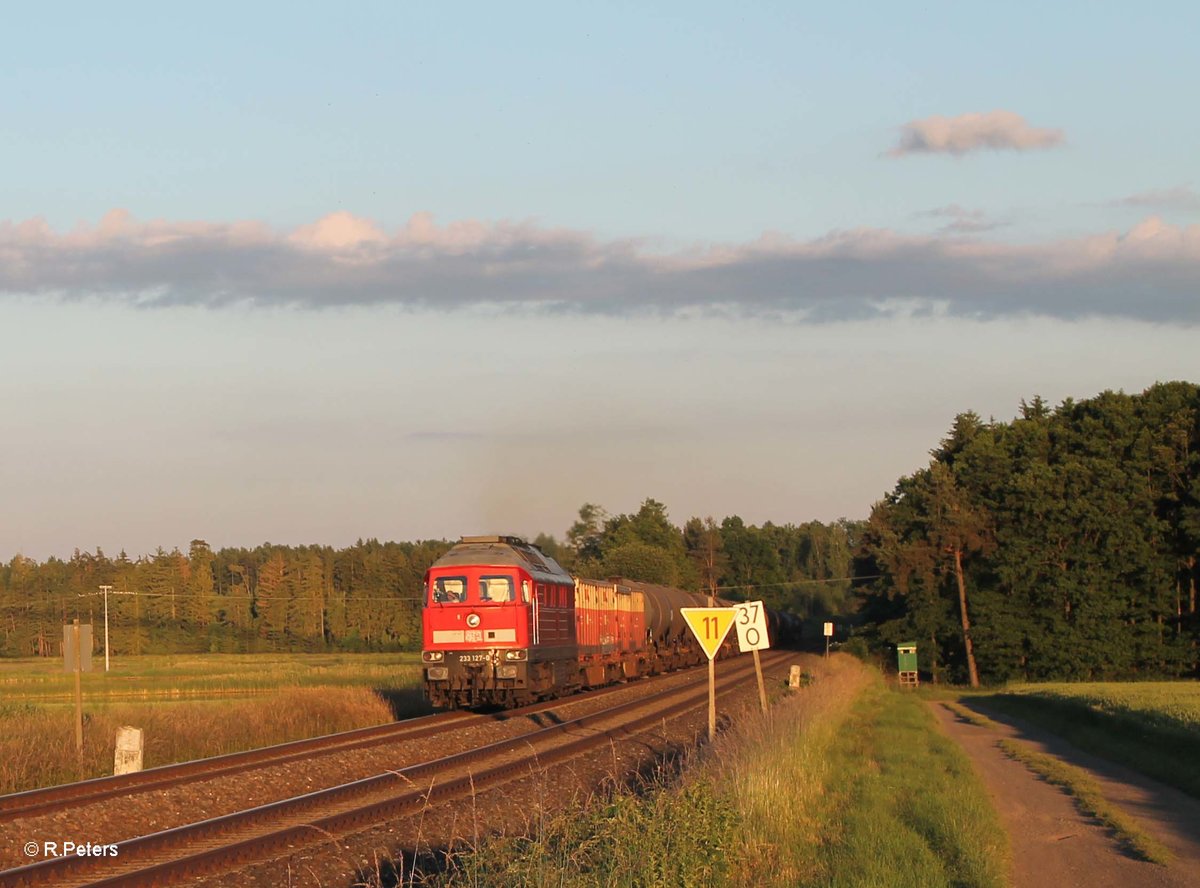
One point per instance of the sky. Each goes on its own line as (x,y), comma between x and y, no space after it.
(290,273)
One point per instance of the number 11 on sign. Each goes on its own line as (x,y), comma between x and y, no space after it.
(710,625)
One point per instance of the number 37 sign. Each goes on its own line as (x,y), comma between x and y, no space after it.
(751,622)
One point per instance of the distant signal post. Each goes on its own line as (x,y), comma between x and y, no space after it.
(710,625)
(752,636)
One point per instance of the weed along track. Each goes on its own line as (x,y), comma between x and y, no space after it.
(428,784)
(70,795)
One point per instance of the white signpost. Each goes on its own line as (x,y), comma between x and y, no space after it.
(710,625)
(751,625)
(828,635)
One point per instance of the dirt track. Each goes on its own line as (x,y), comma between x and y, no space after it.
(1052,843)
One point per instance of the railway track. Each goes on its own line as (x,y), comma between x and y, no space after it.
(224,843)
(52,799)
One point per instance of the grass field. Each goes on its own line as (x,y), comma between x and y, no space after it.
(203,676)
(1152,727)
(190,707)
(1174,704)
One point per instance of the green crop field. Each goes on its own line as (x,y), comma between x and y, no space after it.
(1151,726)
(1165,703)
(203,676)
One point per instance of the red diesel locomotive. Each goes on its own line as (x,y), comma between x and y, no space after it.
(504,624)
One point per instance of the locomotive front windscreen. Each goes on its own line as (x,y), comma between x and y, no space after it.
(452,589)
(496,589)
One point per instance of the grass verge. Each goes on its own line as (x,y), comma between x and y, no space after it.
(843,783)
(979,721)
(1090,800)
(912,809)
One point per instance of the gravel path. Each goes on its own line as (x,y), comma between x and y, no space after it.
(1052,843)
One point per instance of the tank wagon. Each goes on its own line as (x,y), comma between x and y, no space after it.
(504,624)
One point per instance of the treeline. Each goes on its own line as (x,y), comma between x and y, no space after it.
(368,596)
(365,597)
(1060,545)
(803,568)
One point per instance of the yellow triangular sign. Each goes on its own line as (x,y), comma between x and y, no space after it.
(710,625)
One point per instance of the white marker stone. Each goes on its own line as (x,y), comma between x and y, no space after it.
(129,750)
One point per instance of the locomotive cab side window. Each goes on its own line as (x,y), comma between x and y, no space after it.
(450,589)
(496,589)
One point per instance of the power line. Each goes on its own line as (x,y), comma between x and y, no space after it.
(801,582)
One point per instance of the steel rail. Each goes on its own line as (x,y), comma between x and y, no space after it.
(67,795)
(296,820)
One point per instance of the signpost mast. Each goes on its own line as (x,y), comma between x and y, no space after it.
(710,625)
(106,590)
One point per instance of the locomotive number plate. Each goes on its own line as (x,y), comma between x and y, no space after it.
(478,657)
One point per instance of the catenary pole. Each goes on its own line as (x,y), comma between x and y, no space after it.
(106,590)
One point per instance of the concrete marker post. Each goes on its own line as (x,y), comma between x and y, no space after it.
(128,756)
(794,678)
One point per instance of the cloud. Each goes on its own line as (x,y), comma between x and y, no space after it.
(1151,272)
(1181,197)
(994,130)
(962,220)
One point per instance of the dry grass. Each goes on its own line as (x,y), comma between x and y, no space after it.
(777,771)
(37,745)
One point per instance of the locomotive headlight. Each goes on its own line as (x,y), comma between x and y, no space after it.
(473,620)
(432,656)
(516,655)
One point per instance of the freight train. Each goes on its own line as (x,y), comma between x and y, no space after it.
(504,624)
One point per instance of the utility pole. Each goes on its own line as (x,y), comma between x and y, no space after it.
(106,590)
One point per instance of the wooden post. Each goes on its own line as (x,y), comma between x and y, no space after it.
(712,680)
(78,698)
(762,688)
(709,626)
(712,699)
